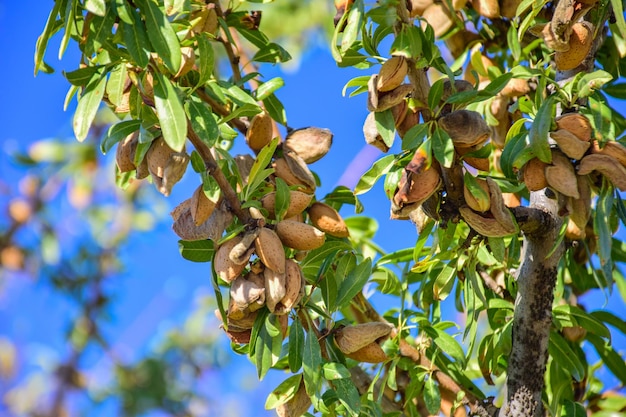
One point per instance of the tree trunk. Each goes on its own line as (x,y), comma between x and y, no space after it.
(536,280)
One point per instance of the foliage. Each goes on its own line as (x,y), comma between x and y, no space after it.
(510,176)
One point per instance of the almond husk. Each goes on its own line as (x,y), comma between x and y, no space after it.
(516,87)
(392,73)
(188,60)
(580,209)
(300,236)
(485,226)
(370,131)
(243,294)
(241,252)
(411,118)
(224,267)
(201,206)
(481,164)
(417,187)
(575,123)
(419,6)
(480,205)
(125,153)
(465,127)
(269,249)
(439,17)
(275,288)
(487,8)
(605,165)
(298,201)
(328,220)
(613,149)
(371,353)
(570,144)
(282,171)
(299,169)
(393,97)
(534,174)
(498,209)
(349,339)
(260,131)
(561,176)
(580,42)
(508,8)
(296,406)
(294,287)
(213,228)
(310,143)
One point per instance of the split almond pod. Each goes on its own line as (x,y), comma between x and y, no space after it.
(213,228)
(561,176)
(575,123)
(125,152)
(605,165)
(259,132)
(485,226)
(349,339)
(328,220)
(487,8)
(241,252)
(570,144)
(439,17)
(478,200)
(580,41)
(275,289)
(226,269)
(201,206)
(392,73)
(300,236)
(393,97)
(417,187)
(370,131)
(310,143)
(498,209)
(580,209)
(613,149)
(371,353)
(294,287)
(269,249)
(465,127)
(298,201)
(534,174)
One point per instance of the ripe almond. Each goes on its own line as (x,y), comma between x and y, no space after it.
(613,149)
(486,226)
(392,73)
(328,220)
(534,174)
(125,153)
(498,209)
(580,42)
(259,132)
(349,339)
(371,353)
(294,287)
(296,406)
(607,166)
(575,123)
(298,201)
(300,236)
(310,143)
(270,250)
(226,269)
(570,144)
(487,8)
(476,200)
(275,288)
(201,207)
(439,17)
(188,60)
(516,87)
(561,176)
(465,127)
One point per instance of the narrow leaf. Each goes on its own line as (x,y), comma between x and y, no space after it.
(117,132)
(197,250)
(161,35)
(354,283)
(136,39)
(377,170)
(538,134)
(203,121)
(296,346)
(170,112)
(87,108)
(312,364)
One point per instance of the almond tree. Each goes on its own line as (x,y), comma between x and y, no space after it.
(502,150)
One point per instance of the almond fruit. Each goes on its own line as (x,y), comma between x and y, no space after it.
(294,287)
(300,236)
(201,207)
(485,226)
(259,132)
(580,41)
(310,143)
(561,176)
(465,127)
(570,144)
(605,165)
(125,153)
(226,269)
(275,288)
(349,339)
(613,149)
(392,73)
(477,201)
(575,123)
(269,249)
(534,174)
(298,201)
(328,220)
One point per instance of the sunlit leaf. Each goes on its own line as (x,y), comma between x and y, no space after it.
(197,250)
(161,34)
(354,282)
(170,112)
(283,392)
(87,108)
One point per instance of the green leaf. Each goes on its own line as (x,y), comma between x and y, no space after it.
(602,228)
(372,175)
(435,93)
(42,41)
(284,392)
(202,121)
(566,358)
(618,12)
(311,264)
(414,137)
(123,11)
(117,132)
(296,346)
(97,7)
(197,250)
(87,108)
(498,84)
(170,112)
(117,84)
(82,76)
(572,409)
(611,319)
(312,364)
(272,53)
(610,358)
(386,126)
(354,282)
(353,25)
(580,317)
(174,6)
(207,58)
(538,134)
(258,172)
(513,42)
(588,83)
(269,87)
(100,30)
(348,395)
(161,35)
(442,146)
(268,345)
(448,345)
(408,42)
(444,282)
(334,370)
(275,109)
(432,395)
(136,40)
